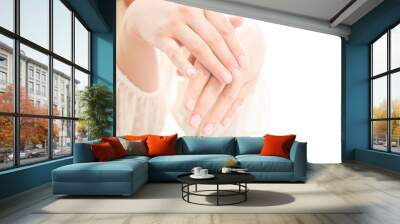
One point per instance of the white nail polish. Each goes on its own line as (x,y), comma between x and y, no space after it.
(195,121)
(190,72)
(208,129)
(226,77)
(243,61)
(190,104)
(226,122)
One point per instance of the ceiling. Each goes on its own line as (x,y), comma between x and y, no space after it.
(327,16)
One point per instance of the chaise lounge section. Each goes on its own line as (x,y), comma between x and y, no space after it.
(125,176)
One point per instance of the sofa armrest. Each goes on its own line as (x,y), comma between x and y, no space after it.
(298,155)
(83,152)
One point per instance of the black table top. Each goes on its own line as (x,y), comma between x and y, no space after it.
(220,178)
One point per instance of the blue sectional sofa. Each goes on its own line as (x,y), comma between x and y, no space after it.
(125,176)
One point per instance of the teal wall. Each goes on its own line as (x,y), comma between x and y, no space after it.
(24,178)
(99,16)
(103,54)
(356,85)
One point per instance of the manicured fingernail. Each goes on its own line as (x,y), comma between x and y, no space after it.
(208,129)
(190,105)
(226,77)
(243,61)
(190,72)
(195,121)
(237,73)
(226,122)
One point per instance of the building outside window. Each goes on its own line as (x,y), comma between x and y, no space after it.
(59,127)
(3,72)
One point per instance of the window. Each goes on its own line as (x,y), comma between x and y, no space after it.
(3,78)
(30,72)
(81,81)
(37,90)
(44,91)
(30,87)
(34,21)
(7,14)
(3,72)
(3,61)
(6,142)
(61,75)
(62,137)
(38,74)
(6,73)
(385,92)
(81,45)
(62,29)
(44,118)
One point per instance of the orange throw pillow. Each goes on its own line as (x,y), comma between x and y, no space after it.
(136,137)
(161,145)
(277,145)
(103,152)
(116,145)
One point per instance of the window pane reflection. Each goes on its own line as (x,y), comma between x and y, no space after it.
(34,144)
(379,135)
(34,78)
(6,142)
(34,21)
(62,138)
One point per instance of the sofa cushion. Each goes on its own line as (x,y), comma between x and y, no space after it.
(249,145)
(103,152)
(198,145)
(112,171)
(257,163)
(83,152)
(116,145)
(185,163)
(161,145)
(275,145)
(134,147)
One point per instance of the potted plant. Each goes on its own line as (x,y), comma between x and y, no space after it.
(96,103)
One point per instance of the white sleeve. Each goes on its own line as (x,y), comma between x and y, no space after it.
(138,112)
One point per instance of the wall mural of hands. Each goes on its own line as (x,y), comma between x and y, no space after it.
(212,50)
(192,71)
(211,103)
(208,36)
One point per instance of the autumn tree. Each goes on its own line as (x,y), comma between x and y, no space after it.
(380,127)
(33,131)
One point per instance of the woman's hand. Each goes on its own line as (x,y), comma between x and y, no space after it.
(208,36)
(211,103)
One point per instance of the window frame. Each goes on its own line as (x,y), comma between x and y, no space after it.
(388,74)
(16,115)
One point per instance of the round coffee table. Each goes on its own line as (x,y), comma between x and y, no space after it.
(238,179)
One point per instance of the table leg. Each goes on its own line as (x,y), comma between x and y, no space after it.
(188,190)
(245,193)
(195,188)
(217,194)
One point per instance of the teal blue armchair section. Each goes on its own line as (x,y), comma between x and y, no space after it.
(125,176)
(298,155)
